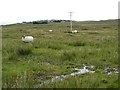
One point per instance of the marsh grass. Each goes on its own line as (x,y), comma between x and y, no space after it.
(78,43)
(86,81)
(69,55)
(56,53)
(95,32)
(56,46)
(24,51)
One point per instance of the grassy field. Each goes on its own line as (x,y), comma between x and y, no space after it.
(25,65)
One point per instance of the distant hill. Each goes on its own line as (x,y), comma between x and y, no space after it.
(61,21)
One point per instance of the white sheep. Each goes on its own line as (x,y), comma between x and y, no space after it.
(27,38)
(50,30)
(74,31)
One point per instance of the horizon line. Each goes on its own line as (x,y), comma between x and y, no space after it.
(20,22)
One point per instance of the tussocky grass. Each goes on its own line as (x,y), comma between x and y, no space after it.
(56,53)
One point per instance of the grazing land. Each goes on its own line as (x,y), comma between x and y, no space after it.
(26,65)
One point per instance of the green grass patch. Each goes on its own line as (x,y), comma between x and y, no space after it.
(25,65)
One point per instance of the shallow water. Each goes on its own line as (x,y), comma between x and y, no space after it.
(62,77)
(109,71)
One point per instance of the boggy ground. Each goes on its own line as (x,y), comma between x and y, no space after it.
(25,65)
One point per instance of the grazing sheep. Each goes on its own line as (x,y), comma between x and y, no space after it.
(27,39)
(74,31)
(50,30)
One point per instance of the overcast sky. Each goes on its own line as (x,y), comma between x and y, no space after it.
(13,11)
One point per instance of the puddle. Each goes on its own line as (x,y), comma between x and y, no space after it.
(85,69)
(111,71)
(62,77)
